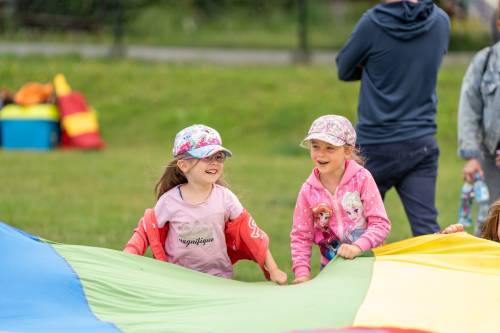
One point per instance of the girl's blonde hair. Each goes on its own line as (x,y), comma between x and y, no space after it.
(356,156)
(490,226)
(173,176)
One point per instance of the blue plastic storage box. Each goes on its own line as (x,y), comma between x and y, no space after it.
(32,127)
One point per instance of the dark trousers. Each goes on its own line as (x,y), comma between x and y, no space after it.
(411,167)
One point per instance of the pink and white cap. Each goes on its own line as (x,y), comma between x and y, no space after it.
(198,141)
(333,129)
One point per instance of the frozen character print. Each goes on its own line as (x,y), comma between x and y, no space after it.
(328,248)
(351,202)
(322,214)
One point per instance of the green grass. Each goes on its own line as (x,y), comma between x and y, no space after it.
(96,198)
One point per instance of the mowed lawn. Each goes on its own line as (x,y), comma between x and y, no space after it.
(96,198)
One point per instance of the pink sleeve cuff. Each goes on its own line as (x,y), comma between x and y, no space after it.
(302,271)
(363,243)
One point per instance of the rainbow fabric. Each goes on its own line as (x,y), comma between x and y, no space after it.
(437,283)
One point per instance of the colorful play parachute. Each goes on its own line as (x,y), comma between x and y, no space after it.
(436,283)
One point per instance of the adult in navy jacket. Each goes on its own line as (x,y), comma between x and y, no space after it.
(396,51)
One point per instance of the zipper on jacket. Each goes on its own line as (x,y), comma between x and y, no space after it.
(340,228)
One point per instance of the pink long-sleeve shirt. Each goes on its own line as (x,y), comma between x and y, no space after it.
(354,214)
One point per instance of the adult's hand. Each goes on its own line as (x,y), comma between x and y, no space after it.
(472,167)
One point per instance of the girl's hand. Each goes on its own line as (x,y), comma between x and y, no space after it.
(301,279)
(349,251)
(278,276)
(452,229)
(275,274)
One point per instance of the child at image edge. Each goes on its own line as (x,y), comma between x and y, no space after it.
(198,222)
(339,207)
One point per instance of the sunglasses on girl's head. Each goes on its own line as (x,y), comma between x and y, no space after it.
(219,157)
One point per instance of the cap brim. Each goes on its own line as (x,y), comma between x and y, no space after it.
(333,140)
(209,150)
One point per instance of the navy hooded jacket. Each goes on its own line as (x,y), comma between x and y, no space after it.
(396,50)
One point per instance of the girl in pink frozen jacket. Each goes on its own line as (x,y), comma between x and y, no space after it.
(339,207)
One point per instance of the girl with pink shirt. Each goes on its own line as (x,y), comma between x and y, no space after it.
(339,207)
(201,224)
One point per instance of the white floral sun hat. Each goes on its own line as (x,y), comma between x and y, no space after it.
(333,129)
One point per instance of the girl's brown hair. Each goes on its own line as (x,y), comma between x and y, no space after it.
(490,226)
(173,176)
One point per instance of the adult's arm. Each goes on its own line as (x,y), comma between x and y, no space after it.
(354,53)
(470,110)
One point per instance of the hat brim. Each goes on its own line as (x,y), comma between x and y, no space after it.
(209,150)
(333,140)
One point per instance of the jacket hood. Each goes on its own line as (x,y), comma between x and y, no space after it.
(404,19)
(351,168)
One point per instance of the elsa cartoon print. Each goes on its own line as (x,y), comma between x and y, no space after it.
(354,208)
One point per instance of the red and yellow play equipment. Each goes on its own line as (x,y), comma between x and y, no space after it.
(79,126)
